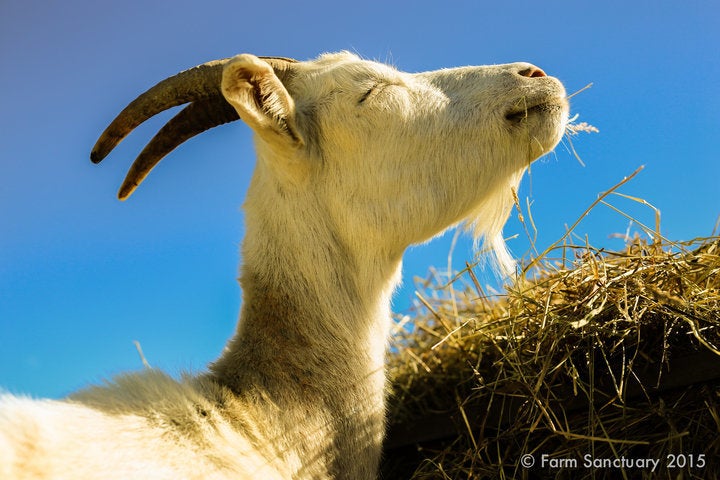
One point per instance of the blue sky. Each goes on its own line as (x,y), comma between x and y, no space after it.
(82,275)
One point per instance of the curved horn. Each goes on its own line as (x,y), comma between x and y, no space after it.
(196,118)
(201,87)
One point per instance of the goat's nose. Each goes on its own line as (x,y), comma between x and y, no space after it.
(531,72)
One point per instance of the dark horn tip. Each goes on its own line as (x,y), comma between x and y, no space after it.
(128,186)
(96,157)
(99,152)
(125,191)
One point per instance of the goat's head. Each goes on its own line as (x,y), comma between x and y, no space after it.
(390,158)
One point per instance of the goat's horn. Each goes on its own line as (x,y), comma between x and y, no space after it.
(200,86)
(194,119)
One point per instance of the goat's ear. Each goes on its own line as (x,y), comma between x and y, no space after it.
(251,86)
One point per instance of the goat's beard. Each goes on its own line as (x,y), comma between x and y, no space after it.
(486,224)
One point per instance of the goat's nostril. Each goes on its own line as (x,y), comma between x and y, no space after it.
(532,72)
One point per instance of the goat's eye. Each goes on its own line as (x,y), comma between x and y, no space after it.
(367,94)
(377,89)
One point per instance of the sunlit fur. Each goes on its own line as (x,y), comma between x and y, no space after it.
(355,162)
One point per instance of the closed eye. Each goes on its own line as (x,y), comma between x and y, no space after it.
(377,89)
(367,94)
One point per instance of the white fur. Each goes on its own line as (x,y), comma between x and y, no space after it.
(356,161)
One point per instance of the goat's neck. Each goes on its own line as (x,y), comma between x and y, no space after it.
(314,326)
(321,321)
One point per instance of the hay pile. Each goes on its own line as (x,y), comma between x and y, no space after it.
(599,365)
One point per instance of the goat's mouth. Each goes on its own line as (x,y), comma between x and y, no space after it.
(519,113)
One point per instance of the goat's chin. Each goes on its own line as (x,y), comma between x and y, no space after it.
(546,127)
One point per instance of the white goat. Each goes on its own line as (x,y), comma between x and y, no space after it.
(356,161)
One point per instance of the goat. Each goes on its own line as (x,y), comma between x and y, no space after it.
(356,161)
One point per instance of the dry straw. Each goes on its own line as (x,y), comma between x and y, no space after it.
(593,364)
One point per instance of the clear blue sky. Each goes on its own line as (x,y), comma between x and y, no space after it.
(82,275)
